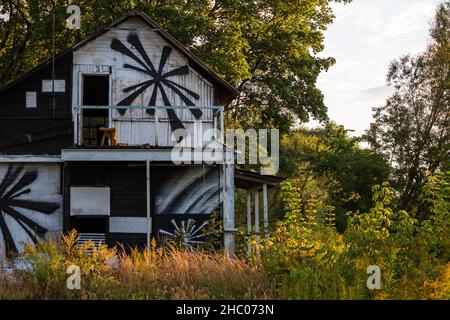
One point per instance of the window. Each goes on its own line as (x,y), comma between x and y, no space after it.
(31,100)
(59,86)
(89,201)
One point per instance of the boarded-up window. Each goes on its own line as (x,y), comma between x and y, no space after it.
(128,225)
(89,201)
(60,86)
(31,100)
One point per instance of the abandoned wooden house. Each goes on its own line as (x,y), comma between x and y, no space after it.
(86,140)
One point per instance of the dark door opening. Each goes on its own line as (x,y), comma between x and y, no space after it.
(95,93)
(89,224)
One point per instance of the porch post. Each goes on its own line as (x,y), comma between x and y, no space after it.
(249,221)
(257,211)
(149,219)
(228,209)
(66,196)
(79,123)
(265,211)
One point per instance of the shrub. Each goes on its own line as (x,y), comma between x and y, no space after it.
(308,259)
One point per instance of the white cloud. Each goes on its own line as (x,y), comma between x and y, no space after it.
(365,37)
(406,23)
(376,95)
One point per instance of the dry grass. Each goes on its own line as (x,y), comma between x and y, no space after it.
(150,274)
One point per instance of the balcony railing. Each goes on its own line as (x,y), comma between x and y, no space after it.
(136,127)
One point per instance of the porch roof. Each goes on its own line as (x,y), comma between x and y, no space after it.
(248,179)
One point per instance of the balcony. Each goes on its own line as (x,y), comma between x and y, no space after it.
(152,126)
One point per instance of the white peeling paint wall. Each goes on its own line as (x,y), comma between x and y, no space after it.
(44,189)
(136,127)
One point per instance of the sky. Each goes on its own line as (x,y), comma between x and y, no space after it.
(364,38)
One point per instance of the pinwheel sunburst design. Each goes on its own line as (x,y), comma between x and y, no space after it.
(188,234)
(13,185)
(157,78)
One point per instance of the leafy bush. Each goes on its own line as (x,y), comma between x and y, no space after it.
(309,259)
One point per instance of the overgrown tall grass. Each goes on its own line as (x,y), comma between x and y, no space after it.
(150,274)
(303,258)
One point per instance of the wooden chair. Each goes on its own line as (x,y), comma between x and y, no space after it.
(110,134)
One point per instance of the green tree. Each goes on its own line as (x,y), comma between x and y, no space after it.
(412,129)
(330,166)
(436,228)
(266,48)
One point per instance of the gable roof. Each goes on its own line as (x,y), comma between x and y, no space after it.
(225,95)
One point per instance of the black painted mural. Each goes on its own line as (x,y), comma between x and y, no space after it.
(184,200)
(189,232)
(14,184)
(158,79)
(182,190)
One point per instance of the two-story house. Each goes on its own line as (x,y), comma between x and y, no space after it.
(86,142)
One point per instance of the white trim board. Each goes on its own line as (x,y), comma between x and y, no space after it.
(106,155)
(30,158)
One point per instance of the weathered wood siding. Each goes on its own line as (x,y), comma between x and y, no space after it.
(41,130)
(136,127)
(30,204)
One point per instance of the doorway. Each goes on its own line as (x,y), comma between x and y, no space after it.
(95,93)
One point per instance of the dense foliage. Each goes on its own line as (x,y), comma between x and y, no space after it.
(311,260)
(412,130)
(332,168)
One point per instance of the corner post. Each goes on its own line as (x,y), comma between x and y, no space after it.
(149,218)
(265,211)
(257,229)
(249,222)
(228,206)
(257,211)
